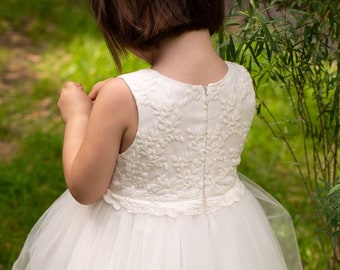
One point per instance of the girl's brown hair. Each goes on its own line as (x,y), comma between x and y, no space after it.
(140,24)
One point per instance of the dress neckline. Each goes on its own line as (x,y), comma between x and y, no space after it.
(225,76)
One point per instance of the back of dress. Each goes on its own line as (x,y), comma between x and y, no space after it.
(175,201)
(188,144)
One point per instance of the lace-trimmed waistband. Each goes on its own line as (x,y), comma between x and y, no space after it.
(174,208)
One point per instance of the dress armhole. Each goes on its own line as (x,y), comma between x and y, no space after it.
(133,137)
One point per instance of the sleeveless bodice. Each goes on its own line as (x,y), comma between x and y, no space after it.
(188,144)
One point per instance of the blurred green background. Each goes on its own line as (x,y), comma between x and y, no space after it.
(42,45)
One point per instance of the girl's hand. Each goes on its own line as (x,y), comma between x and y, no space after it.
(96,88)
(73,102)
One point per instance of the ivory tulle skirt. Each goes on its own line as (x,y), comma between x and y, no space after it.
(238,237)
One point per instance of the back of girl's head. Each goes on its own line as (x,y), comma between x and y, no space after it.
(141,24)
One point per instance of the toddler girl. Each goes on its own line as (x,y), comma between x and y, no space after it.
(150,158)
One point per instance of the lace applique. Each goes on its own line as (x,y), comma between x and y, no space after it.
(188,145)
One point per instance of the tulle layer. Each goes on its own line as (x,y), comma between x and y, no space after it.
(238,237)
(280,221)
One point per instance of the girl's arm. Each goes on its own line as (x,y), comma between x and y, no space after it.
(92,140)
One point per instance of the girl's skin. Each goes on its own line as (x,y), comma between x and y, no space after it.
(103,124)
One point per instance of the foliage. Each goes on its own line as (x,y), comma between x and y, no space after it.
(46,42)
(294,47)
(43,43)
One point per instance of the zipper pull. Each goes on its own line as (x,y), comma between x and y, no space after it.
(205,88)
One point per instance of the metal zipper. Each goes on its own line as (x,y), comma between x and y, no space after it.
(205,88)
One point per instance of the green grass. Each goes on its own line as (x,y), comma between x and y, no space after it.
(50,42)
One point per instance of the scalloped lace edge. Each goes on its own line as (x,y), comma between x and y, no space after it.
(174,208)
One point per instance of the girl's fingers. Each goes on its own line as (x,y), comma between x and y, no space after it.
(96,88)
(79,86)
(93,93)
(73,85)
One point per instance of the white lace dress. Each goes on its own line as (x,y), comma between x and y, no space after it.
(176,201)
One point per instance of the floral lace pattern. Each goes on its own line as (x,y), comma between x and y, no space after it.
(188,145)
